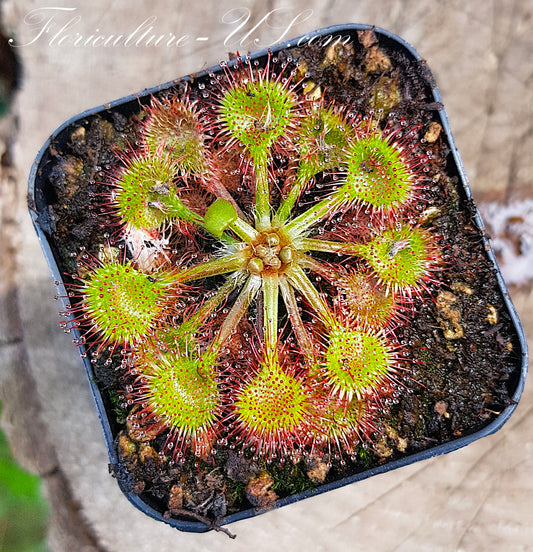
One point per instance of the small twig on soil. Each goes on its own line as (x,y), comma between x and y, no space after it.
(206,501)
(209,522)
(496,412)
(429,439)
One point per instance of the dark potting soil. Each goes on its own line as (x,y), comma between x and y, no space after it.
(461,348)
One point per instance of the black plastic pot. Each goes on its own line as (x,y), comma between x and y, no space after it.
(39,197)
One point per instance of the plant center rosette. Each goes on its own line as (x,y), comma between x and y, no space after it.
(273,245)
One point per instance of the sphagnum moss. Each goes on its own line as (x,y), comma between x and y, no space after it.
(285,345)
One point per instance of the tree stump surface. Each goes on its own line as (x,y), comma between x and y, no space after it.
(477,499)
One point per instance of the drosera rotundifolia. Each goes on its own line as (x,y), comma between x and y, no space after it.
(262,291)
(263,263)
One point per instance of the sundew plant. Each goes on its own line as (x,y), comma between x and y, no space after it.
(273,244)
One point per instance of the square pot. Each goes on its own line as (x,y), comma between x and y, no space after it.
(394,77)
